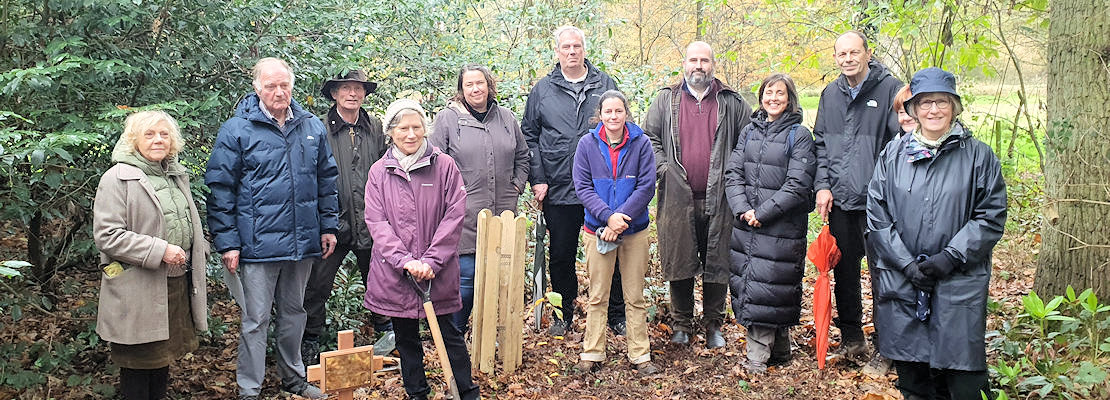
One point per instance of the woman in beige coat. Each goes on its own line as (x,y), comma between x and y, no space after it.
(153,253)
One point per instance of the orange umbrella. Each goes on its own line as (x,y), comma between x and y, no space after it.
(824,254)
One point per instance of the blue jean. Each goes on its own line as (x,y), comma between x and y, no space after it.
(461,318)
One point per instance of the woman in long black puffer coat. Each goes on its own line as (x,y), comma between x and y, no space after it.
(769,185)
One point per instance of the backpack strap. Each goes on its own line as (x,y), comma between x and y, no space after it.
(790,139)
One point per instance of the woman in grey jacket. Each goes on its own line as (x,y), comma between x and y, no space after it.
(486,142)
(153,252)
(936,207)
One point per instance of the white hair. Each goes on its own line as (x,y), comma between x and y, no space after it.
(256,71)
(568,28)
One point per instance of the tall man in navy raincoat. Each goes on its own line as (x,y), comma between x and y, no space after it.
(272,211)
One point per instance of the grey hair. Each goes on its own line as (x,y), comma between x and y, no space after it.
(256,71)
(401,115)
(568,28)
(957,106)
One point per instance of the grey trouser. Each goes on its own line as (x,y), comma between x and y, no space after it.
(764,341)
(278,286)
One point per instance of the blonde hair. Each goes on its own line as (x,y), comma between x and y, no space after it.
(138,123)
(900,99)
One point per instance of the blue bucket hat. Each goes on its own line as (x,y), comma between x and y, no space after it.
(931,80)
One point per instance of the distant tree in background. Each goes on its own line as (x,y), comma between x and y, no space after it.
(1076,230)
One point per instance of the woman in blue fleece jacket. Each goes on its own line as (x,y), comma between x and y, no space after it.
(614,176)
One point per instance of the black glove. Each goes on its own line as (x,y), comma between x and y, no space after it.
(917,278)
(939,265)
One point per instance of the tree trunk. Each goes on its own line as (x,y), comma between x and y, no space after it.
(699,24)
(1076,227)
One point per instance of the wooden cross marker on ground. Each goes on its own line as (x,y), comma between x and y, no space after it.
(343,371)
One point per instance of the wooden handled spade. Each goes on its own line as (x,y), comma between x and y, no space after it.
(437,336)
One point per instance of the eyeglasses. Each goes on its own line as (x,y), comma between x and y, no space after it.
(940,104)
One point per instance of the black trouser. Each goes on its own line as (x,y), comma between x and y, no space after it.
(713,294)
(320,284)
(564,225)
(412,357)
(848,228)
(917,381)
(143,384)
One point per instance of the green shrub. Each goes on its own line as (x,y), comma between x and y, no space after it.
(1053,350)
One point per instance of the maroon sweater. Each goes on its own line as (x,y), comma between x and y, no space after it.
(697,128)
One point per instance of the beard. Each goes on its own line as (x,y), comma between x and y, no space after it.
(699,79)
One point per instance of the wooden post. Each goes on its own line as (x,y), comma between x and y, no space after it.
(484,337)
(499,291)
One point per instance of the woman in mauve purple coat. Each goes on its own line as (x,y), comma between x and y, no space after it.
(415,203)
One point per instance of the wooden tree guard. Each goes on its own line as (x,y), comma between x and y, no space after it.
(344,370)
(499,291)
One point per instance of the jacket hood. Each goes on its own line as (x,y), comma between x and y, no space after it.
(634,131)
(250,108)
(759,120)
(463,111)
(876,71)
(721,86)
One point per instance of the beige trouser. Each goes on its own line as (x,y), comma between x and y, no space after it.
(633,255)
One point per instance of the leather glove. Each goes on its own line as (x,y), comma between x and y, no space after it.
(918,278)
(938,266)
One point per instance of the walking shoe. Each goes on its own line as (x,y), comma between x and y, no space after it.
(755,367)
(681,338)
(618,328)
(878,367)
(310,352)
(586,366)
(306,390)
(779,360)
(714,339)
(854,348)
(646,368)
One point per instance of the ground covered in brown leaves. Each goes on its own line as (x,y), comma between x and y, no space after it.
(688,372)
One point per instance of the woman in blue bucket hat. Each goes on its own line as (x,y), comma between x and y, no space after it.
(936,207)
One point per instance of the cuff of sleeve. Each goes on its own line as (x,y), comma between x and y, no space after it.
(604,217)
(157,253)
(435,266)
(332,231)
(404,260)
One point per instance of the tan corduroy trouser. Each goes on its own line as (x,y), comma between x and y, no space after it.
(633,255)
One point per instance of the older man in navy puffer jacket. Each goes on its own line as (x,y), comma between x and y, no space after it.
(273,208)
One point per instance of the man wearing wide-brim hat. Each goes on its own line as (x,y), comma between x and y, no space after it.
(357,141)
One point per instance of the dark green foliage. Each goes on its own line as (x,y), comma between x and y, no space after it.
(73,70)
(1053,350)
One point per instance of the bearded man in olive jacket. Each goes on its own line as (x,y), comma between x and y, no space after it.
(356,142)
(693,127)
